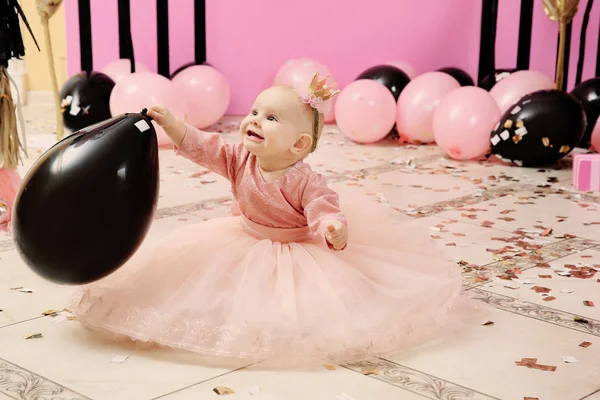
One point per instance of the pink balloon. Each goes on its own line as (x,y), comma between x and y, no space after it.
(417,103)
(596,136)
(518,84)
(365,111)
(117,69)
(329,117)
(463,121)
(404,66)
(207,93)
(298,72)
(140,90)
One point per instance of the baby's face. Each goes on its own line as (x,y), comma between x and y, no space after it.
(277,120)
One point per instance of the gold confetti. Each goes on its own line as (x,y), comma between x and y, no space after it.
(520,123)
(223,390)
(546,141)
(517,138)
(49,313)
(370,371)
(508,123)
(564,149)
(330,367)
(546,232)
(34,336)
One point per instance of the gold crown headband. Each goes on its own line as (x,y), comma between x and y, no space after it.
(317,95)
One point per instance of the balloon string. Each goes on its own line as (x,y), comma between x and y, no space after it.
(562,55)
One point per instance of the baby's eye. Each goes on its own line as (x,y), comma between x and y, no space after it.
(272,118)
(254,112)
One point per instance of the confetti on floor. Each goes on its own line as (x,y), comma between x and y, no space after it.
(223,391)
(532,363)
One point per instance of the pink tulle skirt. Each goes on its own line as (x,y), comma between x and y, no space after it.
(229,287)
(9,186)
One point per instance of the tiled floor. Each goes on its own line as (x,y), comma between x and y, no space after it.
(516,233)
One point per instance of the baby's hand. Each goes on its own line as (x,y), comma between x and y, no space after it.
(336,235)
(161,115)
(173,127)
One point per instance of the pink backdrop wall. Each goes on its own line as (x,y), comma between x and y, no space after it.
(249,40)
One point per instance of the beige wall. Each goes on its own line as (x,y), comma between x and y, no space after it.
(36,61)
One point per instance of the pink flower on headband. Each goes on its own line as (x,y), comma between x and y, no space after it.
(318,94)
(322,106)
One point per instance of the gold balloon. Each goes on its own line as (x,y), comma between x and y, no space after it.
(561,11)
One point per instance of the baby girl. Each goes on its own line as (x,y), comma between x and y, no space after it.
(292,276)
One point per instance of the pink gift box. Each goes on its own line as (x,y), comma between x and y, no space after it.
(586,172)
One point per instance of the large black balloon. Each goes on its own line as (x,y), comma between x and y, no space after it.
(461,76)
(490,80)
(389,76)
(86,205)
(588,93)
(540,129)
(85,99)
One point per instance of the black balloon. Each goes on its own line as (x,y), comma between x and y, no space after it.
(588,93)
(85,99)
(389,76)
(539,129)
(85,206)
(490,80)
(461,76)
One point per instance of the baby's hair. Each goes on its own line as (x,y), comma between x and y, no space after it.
(317,120)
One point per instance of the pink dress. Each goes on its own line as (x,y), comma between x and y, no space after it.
(9,186)
(265,284)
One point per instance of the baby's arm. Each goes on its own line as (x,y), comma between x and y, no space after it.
(206,149)
(322,210)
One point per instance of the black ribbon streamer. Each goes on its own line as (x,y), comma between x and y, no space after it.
(85,35)
(487,43)
(11,40)
(200,31)
(582,38)
(162,30)
(525,27)
(125,40)
(598,54)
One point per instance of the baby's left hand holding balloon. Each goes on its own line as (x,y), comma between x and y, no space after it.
(173,127)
